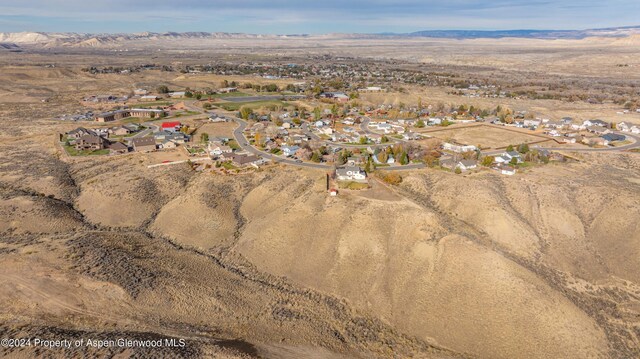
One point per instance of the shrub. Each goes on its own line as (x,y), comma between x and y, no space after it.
(389,177)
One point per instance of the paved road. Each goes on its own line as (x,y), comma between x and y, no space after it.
(150,128)
(364,126)
(238,134)
(244,144)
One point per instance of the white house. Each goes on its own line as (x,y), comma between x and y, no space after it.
(217,150)
(177,94)
(351,173)
(466,165)
(217,118)
(506,157)
(588,123)
(458,148)
(531,123)
(289,150)
(507,170)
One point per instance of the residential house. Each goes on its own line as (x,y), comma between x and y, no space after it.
(506,157)
(466,165)
(508,170)
(148,98)
(119,131)
(217,150)
(351,173)
(458,148)
(171,126)
(531,123)
(227,89)
(598,130)
(588,123)
(168,144)
(177,94)
(79,132)
(289,151)
(612,137)
(143,144)
(411,136)
(218,118)
(463,165)
(118,148)
(243,160)
(91,142)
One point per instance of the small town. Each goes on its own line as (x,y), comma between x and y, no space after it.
(232,130)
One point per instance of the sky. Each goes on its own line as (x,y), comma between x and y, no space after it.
(311,17)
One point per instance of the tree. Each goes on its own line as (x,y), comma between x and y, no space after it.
(384,139)
(162,89)
(188,94)
(334,109)
(514,161)
(509,148)
(420,123)
(383,156)
(364,140)
(404,158)
(316,113)
(206,106)
(315,157)
(204,137)
(369,166)
(198,96)
(257,139)
(457,170)
(487,161)
(224,83)
(245,112)
(429,160)
(523,148)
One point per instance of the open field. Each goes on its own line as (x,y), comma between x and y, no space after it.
(235,106)
(486,136)
(219,129)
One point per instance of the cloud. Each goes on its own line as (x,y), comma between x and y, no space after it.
(287,16)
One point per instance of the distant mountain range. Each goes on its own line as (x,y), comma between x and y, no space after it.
(529,34)
(44,39)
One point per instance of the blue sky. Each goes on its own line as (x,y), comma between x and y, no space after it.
(318,16)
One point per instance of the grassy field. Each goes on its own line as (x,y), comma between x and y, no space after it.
(485,136)
(253,105)
(186,113)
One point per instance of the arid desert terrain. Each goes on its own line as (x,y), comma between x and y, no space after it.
(544,264)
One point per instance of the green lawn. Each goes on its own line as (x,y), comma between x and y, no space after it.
(186,113)
(228,165)
(234,145)
(130,120)
(233,106)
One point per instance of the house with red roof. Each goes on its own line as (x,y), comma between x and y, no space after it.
(172,126)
